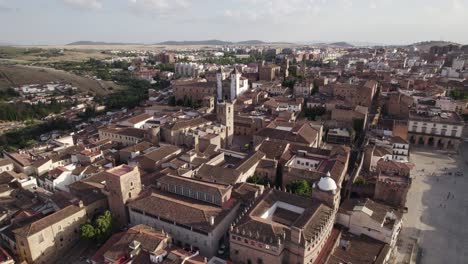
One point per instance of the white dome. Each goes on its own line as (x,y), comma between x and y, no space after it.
(327,184)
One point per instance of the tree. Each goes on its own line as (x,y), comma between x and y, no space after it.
(289,83)
(255,179)
(301,188)
(172,101)
(100,230)
(312,112)
(88,231)
(103,226)
(315,90)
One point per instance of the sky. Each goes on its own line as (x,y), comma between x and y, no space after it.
(57,22)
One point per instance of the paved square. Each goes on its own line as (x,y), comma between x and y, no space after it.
(438,206)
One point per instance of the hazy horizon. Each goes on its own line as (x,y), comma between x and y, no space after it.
(59,22)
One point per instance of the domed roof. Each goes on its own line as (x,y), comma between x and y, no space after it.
(327,184)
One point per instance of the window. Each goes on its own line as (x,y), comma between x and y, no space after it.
(129,195)
(260,261)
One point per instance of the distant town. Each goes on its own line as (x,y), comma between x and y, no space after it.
(233,152)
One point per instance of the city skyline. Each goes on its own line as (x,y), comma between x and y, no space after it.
(59,22)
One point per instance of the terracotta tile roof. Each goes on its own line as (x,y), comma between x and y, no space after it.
(217,174)
(139,118)
(303,134)
(205,187)
(180,209)
(5,162)
(267,164)
(359,249)
(273,150)
(129,131)
(23,159)
(47,221)
(379,210)
(315,214)
(149,239)
(194,122)
(137,147)
(162,153)
(250,162)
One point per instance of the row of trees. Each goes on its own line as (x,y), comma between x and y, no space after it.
(22,111)
(458,95)
(312,113)
(186,102)
(8,94)
(137,91)
(302,188)
(255,179)
(26,137)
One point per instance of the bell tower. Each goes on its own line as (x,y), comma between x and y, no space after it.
(225,116)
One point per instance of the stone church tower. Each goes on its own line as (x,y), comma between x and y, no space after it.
(225,116)
(122,184)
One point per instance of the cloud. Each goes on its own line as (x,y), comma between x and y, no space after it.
(4,9)
(162,7)
(84,4)
(277,10)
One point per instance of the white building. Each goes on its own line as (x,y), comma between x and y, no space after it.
(58,178)
(441,130)
(370,218)
(6,165)
(459,64)
(137,121)
(190,69)
(238,86)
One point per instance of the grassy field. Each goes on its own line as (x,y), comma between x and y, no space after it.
(16,75)
(45,55)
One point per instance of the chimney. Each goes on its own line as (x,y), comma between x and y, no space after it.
(212,220)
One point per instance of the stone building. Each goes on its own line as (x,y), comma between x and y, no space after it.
(267,72)
(193,212)
(305,134)
(392,189)
(370,218)
(438,130)
(281,228)
(122,184)
(44,240)
(194,89)
(303,89)
(311,164)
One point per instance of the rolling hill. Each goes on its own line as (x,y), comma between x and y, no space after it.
(341,44)
(16,75)
(426,45)
(98,43)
